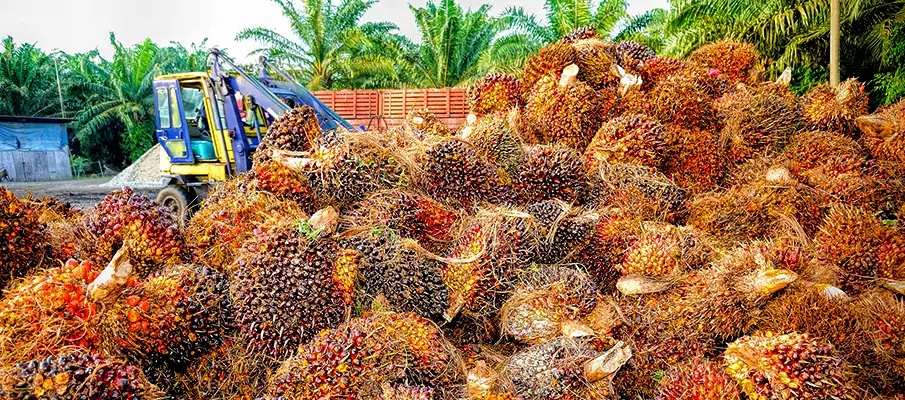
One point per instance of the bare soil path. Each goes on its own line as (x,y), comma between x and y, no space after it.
(82,194)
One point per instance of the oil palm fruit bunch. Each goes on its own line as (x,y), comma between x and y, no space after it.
(740,62)
(411,214)
(683,99)
(563,230)
(551,172)
(75,375)
(23,238)
(835,109)
(568,111)
(882,135)
(835,320)
(788,366)
(481,267)
(495,92)
(60,219)
(390,267)
(640,191)
(809,149)
(275,177)
(849,239)
(550,59)
(359,358)
(228,372)
(405,392)
(495,139)
(632,55)
(654,254)
(229,217)
(695,159)
(633,139)
(697,380)
(596,64)
(551,371)
(757,120)
(357,164)
(427,123)
(547,299)
(891,254)
(294,131)
(882,318)
(131,220)
(603,255)
(285,289)
(582,33)
(657,69)
(48,311)
(455,173)
(175,315)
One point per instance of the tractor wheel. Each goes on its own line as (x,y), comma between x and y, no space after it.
(178,200)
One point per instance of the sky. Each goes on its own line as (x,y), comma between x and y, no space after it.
(76,26)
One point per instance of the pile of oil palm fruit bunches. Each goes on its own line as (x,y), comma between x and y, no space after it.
(608,225)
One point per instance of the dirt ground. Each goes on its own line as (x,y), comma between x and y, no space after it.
(82,194)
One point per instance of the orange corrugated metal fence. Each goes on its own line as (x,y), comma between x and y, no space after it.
(366,107)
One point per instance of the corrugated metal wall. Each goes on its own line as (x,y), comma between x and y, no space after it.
(36,165)
(360,107)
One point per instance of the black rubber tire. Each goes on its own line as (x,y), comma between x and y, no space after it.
(178,200)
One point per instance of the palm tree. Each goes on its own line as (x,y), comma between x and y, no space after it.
(509,53)
(789,33)
(452,43)
(327,36)
(123,96)
(27,81)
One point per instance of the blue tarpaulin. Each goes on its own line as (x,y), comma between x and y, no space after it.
(32,136)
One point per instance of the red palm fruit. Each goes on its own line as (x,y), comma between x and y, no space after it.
(849,239)
(633,139)
(495,92)
(789,366)
(882,135)
(230,216)
(496,140)
(48,311)
(683,99)
(891,255)
(283,290)
(24,242)
(275,177)
(175,315)
(632,55)
(132,220)
(640,191)
(294,131)
(602,256)
(835,109)
(455,173)
(740,62)
(695,159)
(550,59)
(228,372)
(76,375)
(412,214)
(583,33)
(569,111)
(549,172)
(657,69)
(697,380)
(357,359)
(596,63)
(759,121)
(883,318)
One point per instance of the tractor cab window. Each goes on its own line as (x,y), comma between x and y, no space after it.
(195,115)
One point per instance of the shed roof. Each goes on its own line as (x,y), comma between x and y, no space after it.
(36,120)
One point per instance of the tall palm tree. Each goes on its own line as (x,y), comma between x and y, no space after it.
(27,81)
(126,97)
(327,35)
(529,33)
(452,42)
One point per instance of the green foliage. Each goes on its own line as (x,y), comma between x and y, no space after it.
(79,164)
(27,81)
(453,41)
(331,47)
(528,33)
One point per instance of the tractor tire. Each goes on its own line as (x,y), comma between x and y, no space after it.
(179,200)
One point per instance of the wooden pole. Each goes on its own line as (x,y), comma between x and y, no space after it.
(834,42)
